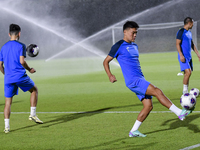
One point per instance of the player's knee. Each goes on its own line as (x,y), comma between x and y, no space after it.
(158,92)
(151,108)
(148,107)
(8,103)
(188,72)
(34,89)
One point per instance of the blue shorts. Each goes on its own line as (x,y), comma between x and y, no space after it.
(186,65)
(11,89)
(139,87)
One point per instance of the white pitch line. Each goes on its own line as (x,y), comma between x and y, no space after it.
(191,147)
(105,112)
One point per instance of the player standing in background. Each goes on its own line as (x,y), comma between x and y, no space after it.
(13,65)
(126,52)
(184,44)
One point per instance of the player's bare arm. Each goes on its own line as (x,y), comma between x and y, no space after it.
(195,50)
(178,47)
(107,68)
(25,65)
(1,67)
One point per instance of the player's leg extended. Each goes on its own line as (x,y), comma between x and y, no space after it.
(7,111)
(152,90)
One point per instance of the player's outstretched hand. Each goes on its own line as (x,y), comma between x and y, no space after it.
(112,79)
(32,70)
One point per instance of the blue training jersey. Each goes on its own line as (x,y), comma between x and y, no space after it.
(128,57)
(186,42)
(10,55)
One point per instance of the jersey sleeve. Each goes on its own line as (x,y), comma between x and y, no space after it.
(23,51)
(179,34)
(114,50)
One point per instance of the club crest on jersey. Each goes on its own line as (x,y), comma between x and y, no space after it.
(189,35)
(127,48)
(133,50)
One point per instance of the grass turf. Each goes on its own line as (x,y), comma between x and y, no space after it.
(93,94)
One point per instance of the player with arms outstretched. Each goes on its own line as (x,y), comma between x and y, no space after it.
(13,65)
(126,52)
(184,44)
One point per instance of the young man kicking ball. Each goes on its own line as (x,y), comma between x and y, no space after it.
(13,65)
(126,52)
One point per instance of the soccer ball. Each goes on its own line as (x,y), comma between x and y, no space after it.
(32,50)
(188,101)
(195,92)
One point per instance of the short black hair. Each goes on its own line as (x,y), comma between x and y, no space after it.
(187,20)
(130,24)
(14,29)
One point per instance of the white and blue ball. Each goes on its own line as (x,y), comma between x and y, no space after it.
(195,92)
(188,101)
(32,50)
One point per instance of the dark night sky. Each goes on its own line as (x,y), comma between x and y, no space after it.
(88,16)
(94,15)
(79,19)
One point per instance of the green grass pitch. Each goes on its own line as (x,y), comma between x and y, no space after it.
(63,89)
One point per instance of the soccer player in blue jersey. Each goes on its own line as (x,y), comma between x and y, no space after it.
(13,65)
(184,44)
(126,53)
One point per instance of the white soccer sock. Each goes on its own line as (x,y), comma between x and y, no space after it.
(7,125)
(33,111)
(175,110)
(185,88)
(136,126)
